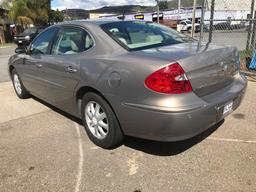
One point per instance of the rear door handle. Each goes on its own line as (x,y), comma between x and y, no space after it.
(70,69)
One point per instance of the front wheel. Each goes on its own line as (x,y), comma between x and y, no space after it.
(100,122)
(19,88)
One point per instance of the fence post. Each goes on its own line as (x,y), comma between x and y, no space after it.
(193,19)
(202,23)
(253,32)
(248,43)
(211,21)
(157,9)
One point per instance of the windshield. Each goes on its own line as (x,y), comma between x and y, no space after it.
(188,22)
(30,31)
(137,35)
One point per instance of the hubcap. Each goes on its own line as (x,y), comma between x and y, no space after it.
(96,120)
(17,84)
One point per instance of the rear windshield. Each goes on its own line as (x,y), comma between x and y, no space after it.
(138,35)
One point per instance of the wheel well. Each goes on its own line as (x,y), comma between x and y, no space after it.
(82,91)
(10,69)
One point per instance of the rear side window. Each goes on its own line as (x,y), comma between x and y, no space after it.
(71,40)
(137,35)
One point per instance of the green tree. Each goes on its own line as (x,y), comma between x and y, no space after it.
(55,16)
(163,5)
(5,4)
(35,10)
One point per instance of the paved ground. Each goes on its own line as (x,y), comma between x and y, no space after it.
(5,53)
(237,38)
(43,149)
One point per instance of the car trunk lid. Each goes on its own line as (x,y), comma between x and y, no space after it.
(211,70)
(208,69)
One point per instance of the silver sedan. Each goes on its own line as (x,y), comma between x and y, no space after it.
(130,78)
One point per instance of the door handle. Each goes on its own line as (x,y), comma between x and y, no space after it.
(39,65)
(70,69)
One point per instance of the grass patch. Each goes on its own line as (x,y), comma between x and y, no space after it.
(246,53)
(7,45)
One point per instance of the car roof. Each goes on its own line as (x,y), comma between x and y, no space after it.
(90,22)
(95,22)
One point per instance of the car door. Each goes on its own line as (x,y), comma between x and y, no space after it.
(62,67)
(33,62)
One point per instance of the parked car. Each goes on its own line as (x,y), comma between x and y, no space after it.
(131,78)
(186,25)
(28,35)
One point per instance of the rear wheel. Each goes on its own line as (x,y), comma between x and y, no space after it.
(19,88)
(100,121)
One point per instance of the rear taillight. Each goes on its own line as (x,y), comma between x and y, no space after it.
(171,79)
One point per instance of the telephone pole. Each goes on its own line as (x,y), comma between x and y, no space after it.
(179,4)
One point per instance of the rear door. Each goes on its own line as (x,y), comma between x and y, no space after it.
(62,67)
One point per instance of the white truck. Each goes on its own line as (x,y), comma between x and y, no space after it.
(186,25)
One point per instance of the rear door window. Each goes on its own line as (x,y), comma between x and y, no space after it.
(71,40)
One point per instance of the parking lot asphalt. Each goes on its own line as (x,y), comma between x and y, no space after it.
(5,53)
(44,149)
(237,38)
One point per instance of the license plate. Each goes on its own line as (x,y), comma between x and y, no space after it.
(20,41)
(228,108)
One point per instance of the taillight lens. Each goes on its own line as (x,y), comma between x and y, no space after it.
(170,80)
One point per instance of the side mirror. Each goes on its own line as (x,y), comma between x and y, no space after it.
(20,50)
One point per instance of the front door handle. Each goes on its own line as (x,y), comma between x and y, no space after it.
(70,69)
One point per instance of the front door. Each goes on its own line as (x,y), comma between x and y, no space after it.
(62,66)
(33,63)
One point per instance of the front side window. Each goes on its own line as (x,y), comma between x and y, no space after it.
(137,35)
(41,44)
(71,40)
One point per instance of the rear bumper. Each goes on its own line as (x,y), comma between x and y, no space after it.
(162,124)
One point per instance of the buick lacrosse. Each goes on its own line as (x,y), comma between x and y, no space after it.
(130,78)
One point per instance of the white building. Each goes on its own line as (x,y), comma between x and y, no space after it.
(224,10)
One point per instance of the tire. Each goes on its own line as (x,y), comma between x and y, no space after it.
(19,88)
(102,126)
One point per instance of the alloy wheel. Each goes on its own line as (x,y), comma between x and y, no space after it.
(17,84)
(96,120)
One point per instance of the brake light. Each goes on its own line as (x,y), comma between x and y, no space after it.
(171,79)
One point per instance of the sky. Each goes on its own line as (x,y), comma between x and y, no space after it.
(93,4)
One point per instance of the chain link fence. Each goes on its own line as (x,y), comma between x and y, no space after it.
(231,22)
